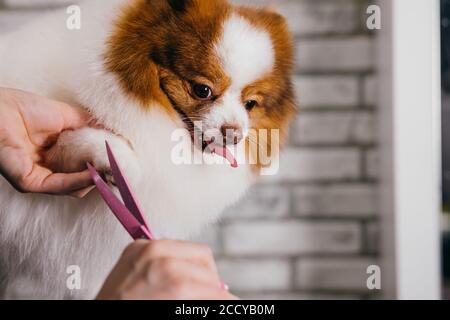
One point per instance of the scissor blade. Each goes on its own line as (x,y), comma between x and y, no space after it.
(124,188)
(129,222)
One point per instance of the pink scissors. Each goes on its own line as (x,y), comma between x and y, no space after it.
(129,212)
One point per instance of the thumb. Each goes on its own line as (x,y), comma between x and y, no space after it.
(42,180)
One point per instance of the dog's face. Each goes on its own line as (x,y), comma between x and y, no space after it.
(228,67)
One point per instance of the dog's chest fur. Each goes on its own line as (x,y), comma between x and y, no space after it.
(41,236)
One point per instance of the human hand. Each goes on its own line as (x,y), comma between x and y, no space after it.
(29,125)
(165,270)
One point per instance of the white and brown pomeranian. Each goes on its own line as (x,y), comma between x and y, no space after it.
(144,69)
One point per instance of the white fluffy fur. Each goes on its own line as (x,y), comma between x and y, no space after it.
(246,54)
(40,235)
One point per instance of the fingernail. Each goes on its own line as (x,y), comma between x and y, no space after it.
(224,286)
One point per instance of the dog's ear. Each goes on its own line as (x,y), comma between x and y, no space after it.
(203,7)
(180,5)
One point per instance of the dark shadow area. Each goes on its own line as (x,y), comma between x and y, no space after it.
(445,71)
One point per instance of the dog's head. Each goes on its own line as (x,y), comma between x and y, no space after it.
(227,66)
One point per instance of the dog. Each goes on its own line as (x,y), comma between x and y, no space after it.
(147,71)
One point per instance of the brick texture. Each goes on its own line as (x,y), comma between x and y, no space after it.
(310,231)
(335,200)
(318,164)
(332,91)
(332,274)
(251,274)
(290,238)
(348,54)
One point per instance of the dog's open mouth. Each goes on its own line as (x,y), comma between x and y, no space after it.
(222,151)
(210,146)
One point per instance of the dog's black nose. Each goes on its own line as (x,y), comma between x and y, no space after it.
(232,133)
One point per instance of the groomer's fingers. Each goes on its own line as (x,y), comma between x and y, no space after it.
(42,180)
(180,290)
(158,277)
(66,183)
(201,292)
(172,279)
(194,252)
(166,259)
(173,271)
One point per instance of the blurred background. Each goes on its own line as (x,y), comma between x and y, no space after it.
(312,230)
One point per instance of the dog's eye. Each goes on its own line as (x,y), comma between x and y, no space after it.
(249,105)
(202,91)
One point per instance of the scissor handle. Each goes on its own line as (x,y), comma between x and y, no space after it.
(125,217)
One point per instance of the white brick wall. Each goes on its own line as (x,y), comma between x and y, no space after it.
(327,91)
(336,200)
(344,127)
(318,164)
(372,162)
(310,231)
(315,17)
(370,90)
(27,4)
(332,274)
(290,238)
(251,274)
(10,19)
(354,53)
(264,201)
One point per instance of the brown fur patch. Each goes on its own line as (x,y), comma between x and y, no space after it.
(158,51)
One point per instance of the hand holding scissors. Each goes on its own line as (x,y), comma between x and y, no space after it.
(128,213)
(157,269)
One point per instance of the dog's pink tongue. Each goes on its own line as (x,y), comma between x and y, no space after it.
(223,152)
